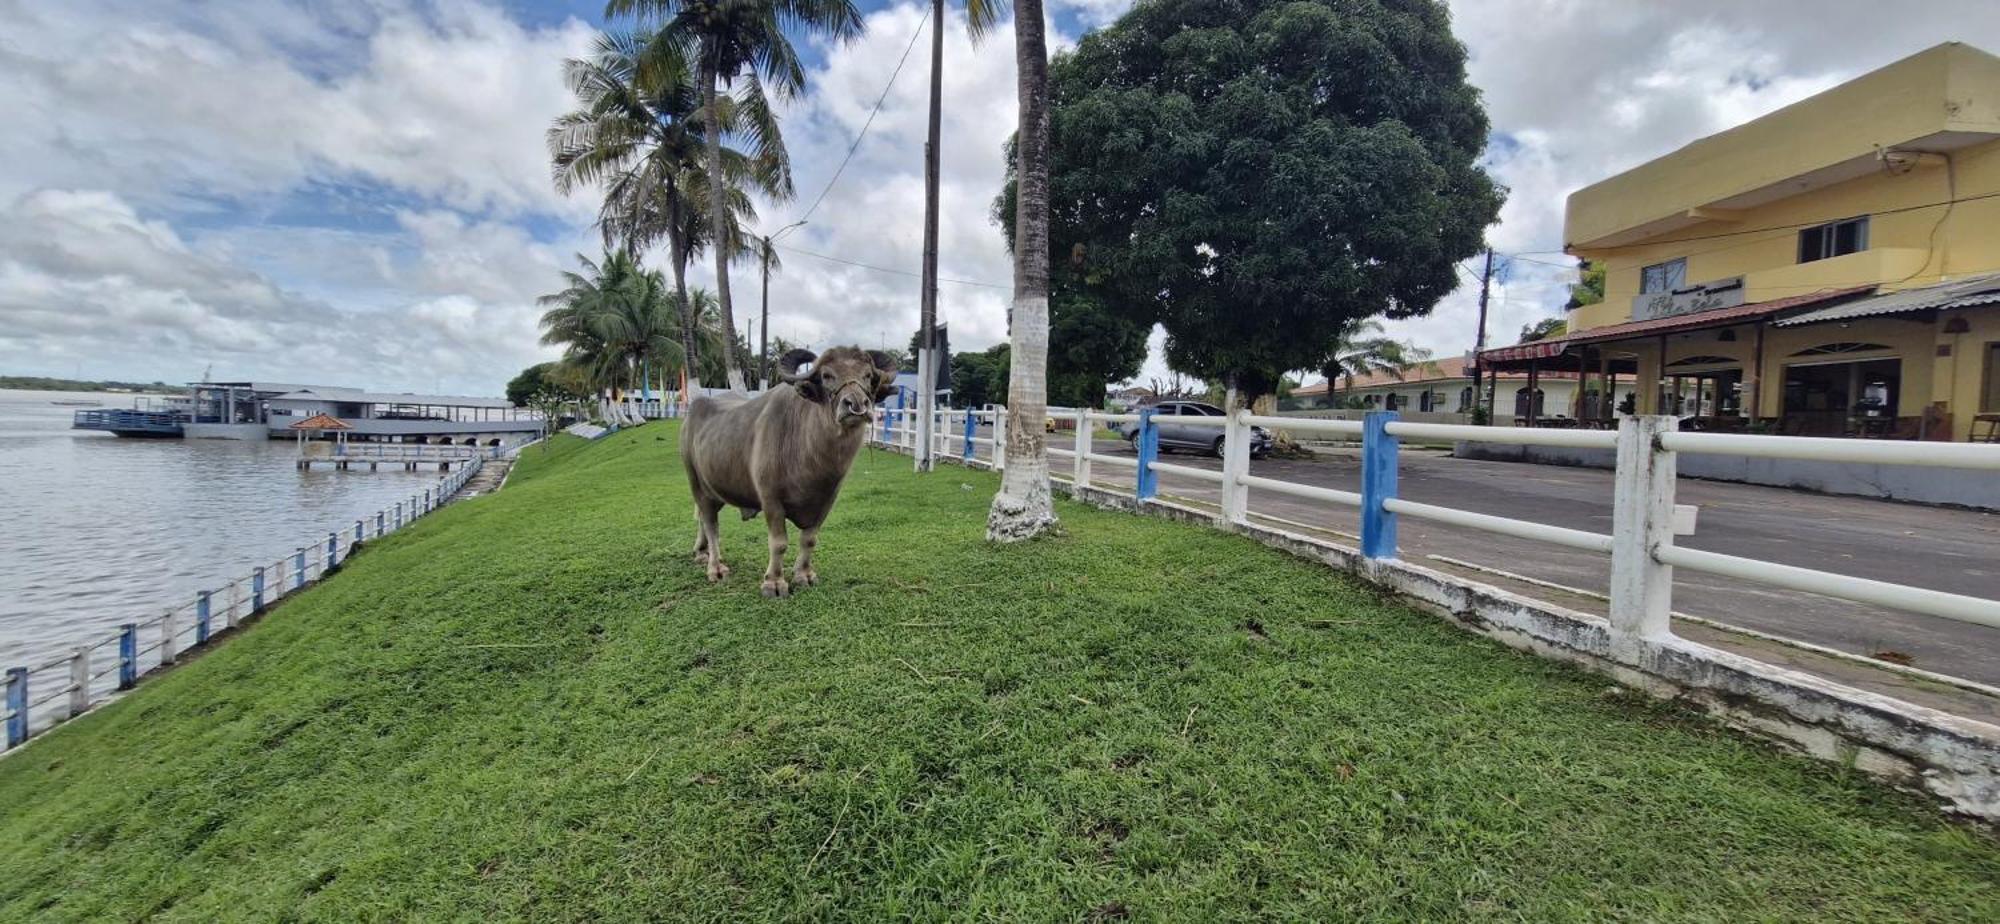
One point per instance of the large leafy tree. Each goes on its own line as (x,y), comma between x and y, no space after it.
(1259,174)
(739,47)
(640,133)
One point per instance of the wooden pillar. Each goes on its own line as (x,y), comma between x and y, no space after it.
(1756,379)
(1534,385)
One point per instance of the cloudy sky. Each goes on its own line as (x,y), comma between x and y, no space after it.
(356,191)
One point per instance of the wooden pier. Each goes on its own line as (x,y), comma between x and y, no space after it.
(410,457)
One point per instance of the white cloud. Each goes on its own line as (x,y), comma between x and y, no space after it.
(85,280)
(243,180)
(445,103)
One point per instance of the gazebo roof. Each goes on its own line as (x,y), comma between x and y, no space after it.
(321,422)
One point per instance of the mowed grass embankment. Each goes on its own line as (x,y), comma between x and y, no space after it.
(531,706)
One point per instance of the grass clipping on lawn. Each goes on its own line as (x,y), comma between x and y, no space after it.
(531,706)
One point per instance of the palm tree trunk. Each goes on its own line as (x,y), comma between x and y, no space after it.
(679,258)
(1024,509)
(718,218)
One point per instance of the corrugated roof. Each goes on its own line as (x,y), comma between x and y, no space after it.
(321,422)
(1451,368)
(1965,293)
(1721,317)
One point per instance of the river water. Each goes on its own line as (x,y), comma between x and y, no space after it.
(101,530)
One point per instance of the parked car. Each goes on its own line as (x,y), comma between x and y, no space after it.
(1197,437)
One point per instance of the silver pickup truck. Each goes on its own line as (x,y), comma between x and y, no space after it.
(1197,437)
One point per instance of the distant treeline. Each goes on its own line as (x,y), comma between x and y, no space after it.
(38,383)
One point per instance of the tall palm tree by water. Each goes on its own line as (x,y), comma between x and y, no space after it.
(639,133)
(615,323)
(741,46)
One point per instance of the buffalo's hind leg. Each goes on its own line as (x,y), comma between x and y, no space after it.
(710,538)
(802,573)
(774,574)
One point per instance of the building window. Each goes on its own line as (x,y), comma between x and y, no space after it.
(1833,239)
(1990,401)
(1663,277)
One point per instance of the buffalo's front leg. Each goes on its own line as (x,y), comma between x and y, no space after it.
(774,575)
(803,573)
(710,539)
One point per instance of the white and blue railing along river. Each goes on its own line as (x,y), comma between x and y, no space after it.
(40,696)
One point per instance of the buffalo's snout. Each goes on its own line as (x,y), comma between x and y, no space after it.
(855,408)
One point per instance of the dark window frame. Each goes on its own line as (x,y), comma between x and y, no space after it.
(1824,241)
(1669,283)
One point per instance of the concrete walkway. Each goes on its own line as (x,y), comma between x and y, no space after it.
(1945,549)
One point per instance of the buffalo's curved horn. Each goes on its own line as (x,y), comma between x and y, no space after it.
(883,361)
(788,366)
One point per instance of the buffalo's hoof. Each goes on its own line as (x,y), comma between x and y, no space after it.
(776,587)
(805,578)
(717,573)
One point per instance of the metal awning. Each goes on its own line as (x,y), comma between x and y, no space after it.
(1722,317)
(1983,289)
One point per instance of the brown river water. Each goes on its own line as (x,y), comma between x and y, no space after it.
(98,530)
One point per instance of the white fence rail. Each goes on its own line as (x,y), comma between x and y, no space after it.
(1645,518)
(90,674)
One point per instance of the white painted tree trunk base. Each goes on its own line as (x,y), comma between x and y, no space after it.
(1013,519)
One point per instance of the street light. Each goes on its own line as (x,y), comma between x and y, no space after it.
(764,343)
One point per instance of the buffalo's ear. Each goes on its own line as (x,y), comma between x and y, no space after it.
(885,374)
(810,388)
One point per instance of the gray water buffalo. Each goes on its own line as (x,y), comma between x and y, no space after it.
(782,453)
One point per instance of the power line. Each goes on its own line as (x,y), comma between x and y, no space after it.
(885,269)
(871,117)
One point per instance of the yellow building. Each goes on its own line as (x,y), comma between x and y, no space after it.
(1832,268)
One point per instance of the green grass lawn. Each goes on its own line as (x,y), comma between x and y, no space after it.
(530,706)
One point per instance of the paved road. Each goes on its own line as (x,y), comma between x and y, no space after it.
(1945,549)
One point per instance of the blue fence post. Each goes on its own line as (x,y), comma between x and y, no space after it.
(201,611)
(886,417)
(257,590)
(1148,483)
(357,532)
(299,568)
(128,655)
(971,429)
(332,551)
(378,523)
(1378,484)
(17,705)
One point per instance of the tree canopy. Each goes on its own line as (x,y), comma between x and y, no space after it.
(1256,175)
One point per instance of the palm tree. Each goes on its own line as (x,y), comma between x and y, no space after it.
(614,321)
(980,17)
(743,41)
(639,132)
(1362,350)
(1024,508)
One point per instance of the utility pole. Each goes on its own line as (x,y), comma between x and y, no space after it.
(1479,339)
(766,257)
(927,320)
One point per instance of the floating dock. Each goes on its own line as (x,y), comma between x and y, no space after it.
(131,422)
